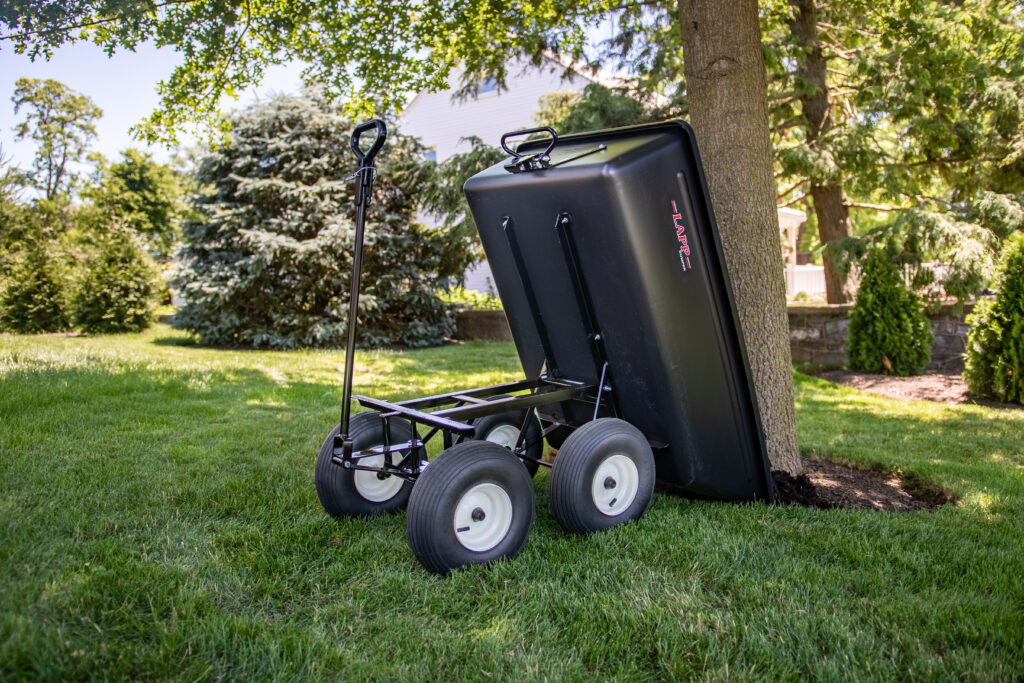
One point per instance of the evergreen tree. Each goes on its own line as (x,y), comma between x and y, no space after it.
(443,197)
(268,264)
(34,297)
(995,344)
(119,288)
(889,332)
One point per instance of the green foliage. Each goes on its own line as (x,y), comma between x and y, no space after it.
(889,331)
(119,288)
(34,297)
(460,297)
(142,194)
(598,107)
(60,122)
(925,103)
(268,263)
(443,196)
(995,344)
(377,53)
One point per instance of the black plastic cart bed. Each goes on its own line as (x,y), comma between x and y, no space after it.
(606,255)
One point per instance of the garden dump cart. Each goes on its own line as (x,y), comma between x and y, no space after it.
(605,252)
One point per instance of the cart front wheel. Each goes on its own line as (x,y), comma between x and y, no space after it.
(473,504)
(603,476)
(354,493)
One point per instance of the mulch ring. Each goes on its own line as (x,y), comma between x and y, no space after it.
(942,387)
(828,485)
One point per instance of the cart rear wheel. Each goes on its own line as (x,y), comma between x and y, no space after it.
(557,436)
(503,429)
(603,476)
(345,493)
(473,504)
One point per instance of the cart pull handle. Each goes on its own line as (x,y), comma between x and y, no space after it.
(527,131)
(364,189)
(366,158)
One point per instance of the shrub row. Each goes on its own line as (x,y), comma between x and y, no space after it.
(116,289)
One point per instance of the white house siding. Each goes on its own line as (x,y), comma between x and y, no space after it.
(441,122)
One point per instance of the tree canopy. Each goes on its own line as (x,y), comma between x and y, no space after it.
(377,54)
(61,122)
(138,192)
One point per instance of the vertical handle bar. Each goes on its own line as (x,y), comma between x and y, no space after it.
(364,188)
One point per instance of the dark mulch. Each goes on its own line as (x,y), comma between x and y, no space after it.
(943,387)
(827,485)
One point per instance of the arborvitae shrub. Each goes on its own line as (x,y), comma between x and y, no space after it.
(269,262)
(995,344)
(34,298)
(889,332)
(119,288)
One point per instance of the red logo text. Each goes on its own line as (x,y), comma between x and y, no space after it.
(684,244)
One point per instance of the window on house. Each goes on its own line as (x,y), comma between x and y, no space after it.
(430,155)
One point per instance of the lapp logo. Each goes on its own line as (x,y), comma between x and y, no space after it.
(684,244)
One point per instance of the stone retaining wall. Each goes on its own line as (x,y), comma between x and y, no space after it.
(818,334)
(482,325)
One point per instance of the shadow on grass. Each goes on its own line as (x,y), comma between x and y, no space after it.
(176,340)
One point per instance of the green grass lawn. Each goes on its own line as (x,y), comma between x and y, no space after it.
(159,520)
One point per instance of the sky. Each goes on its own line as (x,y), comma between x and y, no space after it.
(123,86)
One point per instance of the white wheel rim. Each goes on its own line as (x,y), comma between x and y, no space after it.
(483,517)
(370,486)
(504,435)
(615,484)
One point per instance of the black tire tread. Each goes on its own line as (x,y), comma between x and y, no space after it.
(427,498)
(570,469)
(329,478)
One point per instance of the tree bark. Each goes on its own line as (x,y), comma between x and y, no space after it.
(728,95)
(829,205)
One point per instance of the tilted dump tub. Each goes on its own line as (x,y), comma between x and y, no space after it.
(650,305)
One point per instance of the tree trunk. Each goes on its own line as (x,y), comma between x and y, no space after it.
(728,95)
(833,226)
(829,207)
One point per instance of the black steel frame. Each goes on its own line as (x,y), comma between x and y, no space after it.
(450,417)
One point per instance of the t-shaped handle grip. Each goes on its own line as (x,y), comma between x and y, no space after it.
(366,158)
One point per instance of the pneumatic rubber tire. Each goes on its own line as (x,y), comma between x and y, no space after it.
(356,493)
(503,429)
(473,504)
(603,476)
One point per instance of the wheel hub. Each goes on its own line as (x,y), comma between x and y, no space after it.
(376,487)
(615,485)
(504,435)
(483,517)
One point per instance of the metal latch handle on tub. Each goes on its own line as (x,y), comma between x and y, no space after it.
(531,162)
